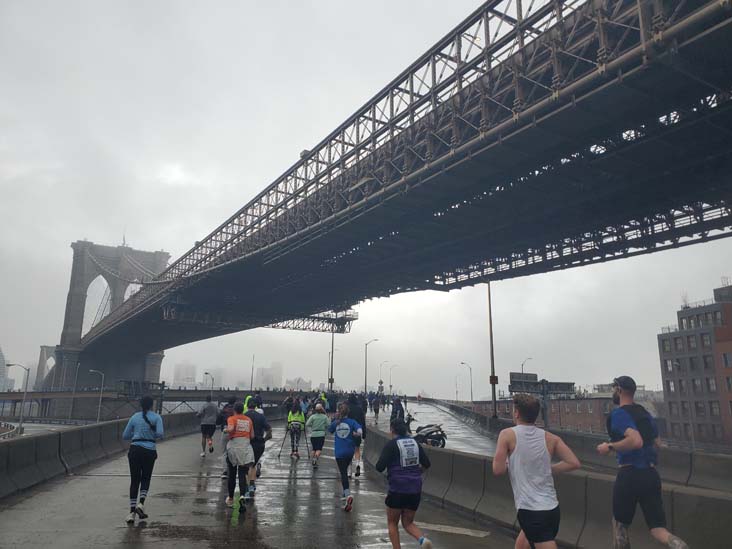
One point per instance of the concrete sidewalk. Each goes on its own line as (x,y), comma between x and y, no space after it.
(295,507)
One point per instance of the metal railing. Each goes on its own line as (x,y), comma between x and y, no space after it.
(8,430)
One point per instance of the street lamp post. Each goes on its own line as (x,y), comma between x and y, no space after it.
(212,382)
(332,353)
(25,392)
(494,378)
(524,362)
(73,393)
(456,388)
(101,389)
(390,369)
(366,365)
(471,379)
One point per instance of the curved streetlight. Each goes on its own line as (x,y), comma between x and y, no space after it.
(524,362)
(25,392)
(366,365)
(212,382)
(101,388)
(471,379)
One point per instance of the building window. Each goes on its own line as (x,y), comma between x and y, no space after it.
(673,408)
(671,386)
(706,340)
(708,362)
(683,323)
(676,430)
(717,431)
(692,322)
(701,430)
(718,317)
(606,407)
(553,407)
(589,407)
(693,362)
(700,409)
(579,408)
(685,408)
(697,384)
(708,318)
(691,342)
(666,343)
(711,385)
(566,409)
(714,408)
(679,344)
(508,407)
(683,386)
(727,360)
(669,365)
(687,431)
(729,383)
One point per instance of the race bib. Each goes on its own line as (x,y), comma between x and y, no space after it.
(242,426)
(343,430)
(408,452)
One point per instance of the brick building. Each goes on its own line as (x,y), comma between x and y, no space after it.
(696,368)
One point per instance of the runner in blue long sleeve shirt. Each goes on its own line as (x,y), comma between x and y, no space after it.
(348,433)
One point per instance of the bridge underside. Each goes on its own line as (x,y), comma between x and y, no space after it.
(640,162)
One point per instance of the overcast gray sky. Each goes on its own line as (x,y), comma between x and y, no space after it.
(160,119)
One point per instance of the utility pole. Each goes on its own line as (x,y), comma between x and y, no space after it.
(366,365)
(494,377)
(251,379)
(332,352)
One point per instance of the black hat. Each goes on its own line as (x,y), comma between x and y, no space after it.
(626,383)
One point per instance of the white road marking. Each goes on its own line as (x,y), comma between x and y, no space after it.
(453,530)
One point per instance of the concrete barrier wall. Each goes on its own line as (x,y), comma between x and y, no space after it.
(27,461)
(465,482)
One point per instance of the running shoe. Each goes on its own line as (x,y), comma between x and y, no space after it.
(242,502)
(358,470)
(315,463)
(424,542)
(297,454)
(349,504)
(203,454)
(140,510)
(130,518)
(249,496)
(229,501)
(259,469)
(224,474)
(252,488)
(210,445)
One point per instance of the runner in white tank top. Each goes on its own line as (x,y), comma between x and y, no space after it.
(526,451)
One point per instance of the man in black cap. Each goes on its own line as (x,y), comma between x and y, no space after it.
(634,437)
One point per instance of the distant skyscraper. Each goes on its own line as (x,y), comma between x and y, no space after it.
(277,374)
(3,371)
(184,375)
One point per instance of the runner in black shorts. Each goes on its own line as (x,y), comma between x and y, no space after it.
(262,433)
(634,436)
(404,460)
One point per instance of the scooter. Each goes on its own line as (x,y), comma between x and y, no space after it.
(432,434)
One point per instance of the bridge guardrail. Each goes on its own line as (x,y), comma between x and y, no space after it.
(457,480)
(8,430)
(28,461)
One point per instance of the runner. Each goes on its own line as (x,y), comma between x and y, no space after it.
(404,461)
(208,414)
(634,437)
(239,454)
(377,407)
(347,436)
(356,413)
(317,424)
(143,429)
(226,412)
(397,410)
(526,452)
(262,433)
(295,424)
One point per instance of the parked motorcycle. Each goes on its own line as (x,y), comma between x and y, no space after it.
(431,435)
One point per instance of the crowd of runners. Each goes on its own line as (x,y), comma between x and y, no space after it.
(530,456)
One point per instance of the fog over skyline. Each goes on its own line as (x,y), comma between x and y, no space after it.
(157,121)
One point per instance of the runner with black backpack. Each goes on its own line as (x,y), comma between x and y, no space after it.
(634,437)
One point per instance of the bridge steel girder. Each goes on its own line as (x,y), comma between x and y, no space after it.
(521,142)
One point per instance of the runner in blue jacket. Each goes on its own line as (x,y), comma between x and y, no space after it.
(348,434)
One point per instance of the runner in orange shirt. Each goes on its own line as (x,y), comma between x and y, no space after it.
(239,454)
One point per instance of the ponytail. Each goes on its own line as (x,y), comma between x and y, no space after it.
(146,403)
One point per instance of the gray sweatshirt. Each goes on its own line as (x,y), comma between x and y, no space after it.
(208,414)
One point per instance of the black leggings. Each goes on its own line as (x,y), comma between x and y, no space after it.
(141,462)
(231,479)
(294,437)
(343,464)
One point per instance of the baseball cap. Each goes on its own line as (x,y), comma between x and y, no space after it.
(626,383)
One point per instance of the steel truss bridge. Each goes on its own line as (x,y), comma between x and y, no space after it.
(535,136)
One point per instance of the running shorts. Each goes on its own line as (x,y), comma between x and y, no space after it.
(638,486)
(539,526)
(208,430)
(317,443)
(395,500)
(258,448)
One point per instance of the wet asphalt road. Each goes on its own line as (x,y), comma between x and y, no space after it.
(295,507)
